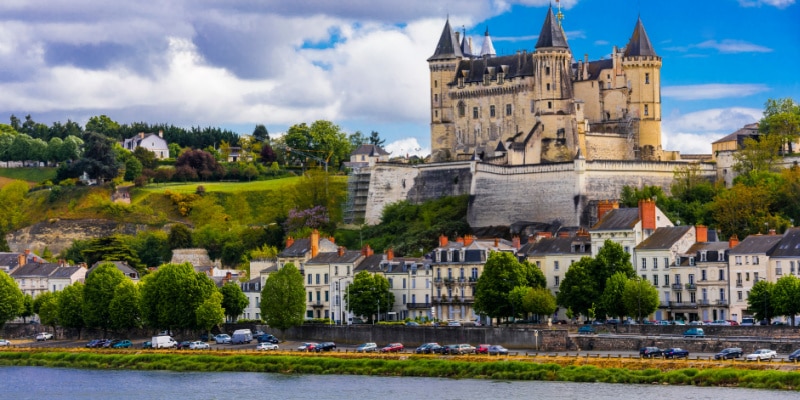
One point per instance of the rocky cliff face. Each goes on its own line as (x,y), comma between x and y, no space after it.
(59,235)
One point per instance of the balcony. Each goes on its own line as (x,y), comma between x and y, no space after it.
(738,283)
(473,280)
(691,286)
(675,304)
(317,304)
(438,281)
(418,306)
(462,280)
(449,281)
(704,302)
(722,302)
(677,286)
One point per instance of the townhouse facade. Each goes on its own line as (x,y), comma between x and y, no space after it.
(38,278)
(706,267)
(410,282)
(749,262)
(626,226)
(320,273)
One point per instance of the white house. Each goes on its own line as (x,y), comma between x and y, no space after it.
(150,141)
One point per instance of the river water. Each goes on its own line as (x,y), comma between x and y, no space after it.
(37,383)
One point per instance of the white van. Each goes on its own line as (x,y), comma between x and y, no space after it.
(163,342)
(241,336)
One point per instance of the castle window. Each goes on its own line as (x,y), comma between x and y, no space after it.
(435,98)
(646,78)
(548,87)
(436,114)
(646,110)
(547,71)
(460,82)
(462,109)
(508,109)
(550,104)
(435,84)
(491,111)
(500,78)
(474,112)
(486,79)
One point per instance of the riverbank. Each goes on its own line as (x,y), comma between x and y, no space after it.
(542,368)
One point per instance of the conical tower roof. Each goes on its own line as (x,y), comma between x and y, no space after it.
(551,35)
(488,48)
(639,45)
(448,47)
(466,46)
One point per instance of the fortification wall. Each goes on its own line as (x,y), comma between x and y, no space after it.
(607,147)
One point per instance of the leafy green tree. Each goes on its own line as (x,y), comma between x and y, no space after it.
(534,275)
(54,149)
(70,307)
(124,307)
(501,274)
(761,301)
(375,138)
(786,294)
(180,237)
(27,308)
(133,168)
(98,293)
(368,294)
(781,119)
(99,159)
(578,289)
(283,298)
(539,301)
(152,248)
(261,134)
(357,139)
(71,148)
(171,296)
(210,313)
(111,248)
(516,298)
(146,157)
(640,298)
(234,301)
(105,125)
(11,299)
(742,210)
(757,155)
(611,298)
(47,305)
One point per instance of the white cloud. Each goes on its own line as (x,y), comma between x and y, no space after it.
(407,146)
(758,3)
(693,133)
(733,46)
(712,91)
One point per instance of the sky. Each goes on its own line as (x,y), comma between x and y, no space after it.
(362,63)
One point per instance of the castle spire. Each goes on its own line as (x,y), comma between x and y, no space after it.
(448,47)
(466,44)
(487,50)
(551,35)
(639,45)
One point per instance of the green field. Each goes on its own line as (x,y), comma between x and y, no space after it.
(225,187)
(35,175)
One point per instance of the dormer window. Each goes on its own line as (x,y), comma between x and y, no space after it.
(702,256)
(500,78)
(691,261)
(487,79)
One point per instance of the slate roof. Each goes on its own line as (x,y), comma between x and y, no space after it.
(618,219)
(557,245)
(639,45)
(121,265)
(64,272)
(370,264)
(595,67)
(370,150)
(448,47)
(757,244)
(789,245)
(34,269)
(749,130)
(349,256)
(707,246)
(551,34)
(513,66)
(302,246)
(663,238)
(11,260)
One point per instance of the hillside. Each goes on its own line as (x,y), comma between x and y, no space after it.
(31,175)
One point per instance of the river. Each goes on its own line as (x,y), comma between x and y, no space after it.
(36,383)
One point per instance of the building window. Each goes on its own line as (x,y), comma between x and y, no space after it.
(326,279)
(722,294)
(646,110)
(435,98)
(666,279)
(738,260)
(548,87)
(413,283)
(557,281)
(391,283)
(508,109)
(739,295)
(666,262)
(722,274)
(691,261)
(655,263)
(310,296)
(474,112)
(336,267)
(317,279)
(327,296)
(755,276)
(462,109)
(655,280)
(703,275)
(547,70)
(549,104)
(755,260)
(310,279)
(491,111)
(435,84)
(404,283)
(644,263)
(555,265)
(646,78)
(702,256)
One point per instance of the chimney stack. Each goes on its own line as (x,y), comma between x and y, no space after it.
(604,206)
(772,232)
(289,241)
(468,239)
(340,251)
(27,252)
(21,260)
(141,135)
(161,133)
(442,240)
(516,243)
(563,234)
(701,231)
(733,241)
(367,251)
(314,243)
(542,235)
(647,214)
(390,254)
(332,239)
(460,240)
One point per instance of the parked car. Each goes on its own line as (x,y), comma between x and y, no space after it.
(223,338)
(266,337)
(697,323)
(449,349)
(731,352)
(412,323)
(392,348)
(613,321)
(325,346)
(748,321)
(425,348)
(761,354)
(795,356)
(694,332)
(44,336)
(122,344)
(93,343)
(199,345)
(586,330)
(147,345)
(308,346)
(497,350)
(676,352)
(266,346)
(184,345)
(482,349)
(733,323)
(204,337)
(367,348)
(241,336)
(464,348)
(453,323)
(629,322)
(650,352)
(4,342)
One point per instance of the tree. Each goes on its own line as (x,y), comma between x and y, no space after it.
(146,157)
(611,298)
(201,163)
(98,294)
(124,307)
(210,313)
(171,296)
(761,301)
(534,275)
(105,125)
(578,290)
(234,301)
(261,134)
(70,307)
(787,296)
(375,138)
(11,299)
(539,301)
(781,119)
(742,210)
(133,168)
(152,248)
(47,306)
(180,237)
(99,159)
(357,139)
(501,274)
(640,297)
(27,308)
(111,248)
(267,154)
(71,148)
(283,298)
(368,294)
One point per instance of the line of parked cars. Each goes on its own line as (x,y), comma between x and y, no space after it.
(109,343)
(725,354)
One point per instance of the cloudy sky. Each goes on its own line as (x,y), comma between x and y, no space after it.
(361,63)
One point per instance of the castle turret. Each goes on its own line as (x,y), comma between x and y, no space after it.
(487,50)
(642,67)
(466,45)
(442,65)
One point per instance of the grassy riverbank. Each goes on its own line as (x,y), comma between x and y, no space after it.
(577,369)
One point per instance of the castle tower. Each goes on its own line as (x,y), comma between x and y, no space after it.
(442,65)
(642,68)
(487,50)
(553,92)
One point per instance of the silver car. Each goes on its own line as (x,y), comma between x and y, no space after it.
(761,354)
(222,338)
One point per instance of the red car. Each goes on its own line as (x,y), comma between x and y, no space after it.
(482,349)
(392,348)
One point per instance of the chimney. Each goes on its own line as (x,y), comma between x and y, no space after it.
(332,239)
(161,133)
(141,135)
(228,275)
(532,238)
(442,240)
(604,206)
(563,234)
(460,240)
(289,241)
(543,234)
(367,251)
(27,252)
(496,242)
(582,232)
(468,239)
(701,231)
(21,260)
(733,241)
(515,242)
(772,232)
(390,254)
(314,243)
(340,251)
(647,214)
